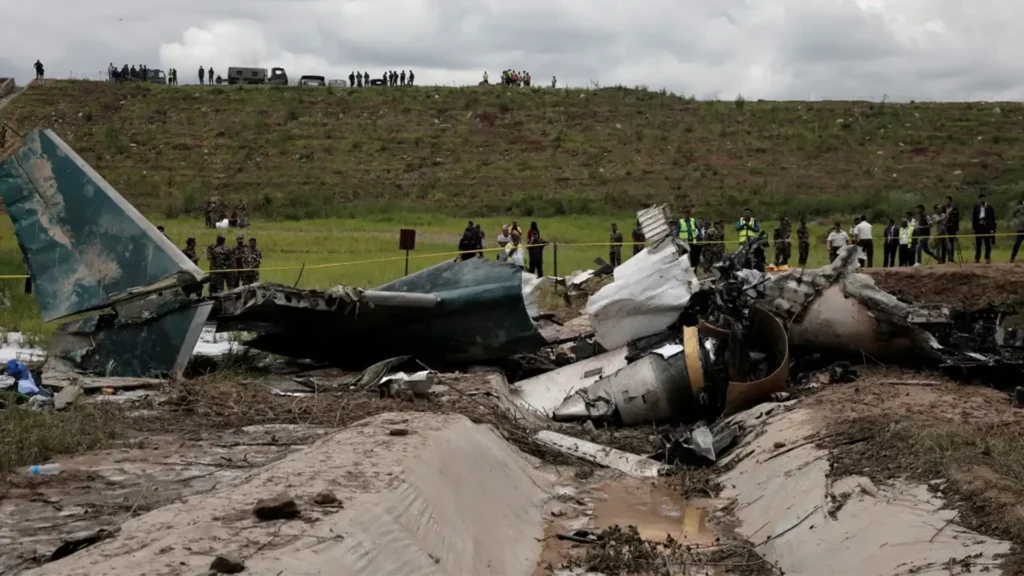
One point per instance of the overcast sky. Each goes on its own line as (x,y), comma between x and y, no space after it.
(793,49)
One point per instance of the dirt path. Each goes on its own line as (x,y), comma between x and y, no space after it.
(7,99)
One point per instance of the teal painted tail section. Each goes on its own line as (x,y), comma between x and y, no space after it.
(86,247)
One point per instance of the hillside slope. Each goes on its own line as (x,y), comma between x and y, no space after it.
(482,151)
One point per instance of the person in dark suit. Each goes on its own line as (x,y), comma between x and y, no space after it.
(984,221)
(891,243)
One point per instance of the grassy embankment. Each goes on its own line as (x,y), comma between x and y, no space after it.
(331,175)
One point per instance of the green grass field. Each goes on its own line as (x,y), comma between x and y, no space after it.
(365,252)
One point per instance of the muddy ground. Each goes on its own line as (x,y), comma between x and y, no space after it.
(965,442)
(194,436)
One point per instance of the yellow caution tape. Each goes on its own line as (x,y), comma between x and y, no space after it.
(459,253)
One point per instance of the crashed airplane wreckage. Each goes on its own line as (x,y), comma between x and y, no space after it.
(88,251)
(666,346)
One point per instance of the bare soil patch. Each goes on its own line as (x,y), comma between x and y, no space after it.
(970,285)
(966,442)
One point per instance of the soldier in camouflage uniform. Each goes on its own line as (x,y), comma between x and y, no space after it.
(615,246)
(803,238)
(210,210)
(237,261)
(190,251)
(714,247)
(783,250)
(220,258)
(251,261)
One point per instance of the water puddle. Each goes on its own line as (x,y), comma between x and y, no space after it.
(656,510)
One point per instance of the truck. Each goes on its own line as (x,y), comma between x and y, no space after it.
(278,77)
(156,76)
(243,75)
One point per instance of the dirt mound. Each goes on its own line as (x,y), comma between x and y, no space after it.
(445,497)
(968,285)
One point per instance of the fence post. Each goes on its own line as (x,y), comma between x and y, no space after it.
(554,249)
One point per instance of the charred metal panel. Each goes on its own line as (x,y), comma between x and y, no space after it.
(86,247)
(480,313)
(108,346)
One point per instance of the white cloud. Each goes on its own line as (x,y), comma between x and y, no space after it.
(923,49)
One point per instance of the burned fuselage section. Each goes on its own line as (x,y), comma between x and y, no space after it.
(454,312)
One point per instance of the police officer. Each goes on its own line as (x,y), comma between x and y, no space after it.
(692,234)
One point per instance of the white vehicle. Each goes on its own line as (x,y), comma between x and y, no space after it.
(312,81)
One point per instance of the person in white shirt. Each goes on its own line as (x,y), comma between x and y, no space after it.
(837,238)
(503,240)
(862,234)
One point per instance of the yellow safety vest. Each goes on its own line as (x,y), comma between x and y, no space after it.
(746,233)
(693,229)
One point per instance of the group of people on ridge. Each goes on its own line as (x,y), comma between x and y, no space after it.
(390,78)
(136,74)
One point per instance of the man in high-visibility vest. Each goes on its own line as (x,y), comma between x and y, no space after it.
(692,234)
(747,226)
(749,229)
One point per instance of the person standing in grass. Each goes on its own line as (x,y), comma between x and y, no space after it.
(952,228)
(503,239)
(467,244)
(906,242)
(251,260)
(638,238)
(923,234)
(535,248)
(863,233)
(1018,221)
(890,244)
(190,251)
(803,240)
(714,245)
(941,239)
(782,242)
(219,256)
(615,246)
(690,232)
(837,238)
(984,220)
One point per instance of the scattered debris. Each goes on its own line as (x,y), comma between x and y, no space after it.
(697,446)
(67,396)
(227,564)
(629,464)
(280,507)
(581,536)
(326,498)
(80,541)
